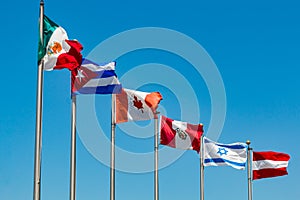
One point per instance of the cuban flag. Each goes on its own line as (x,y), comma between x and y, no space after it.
(217,154)
(91,78)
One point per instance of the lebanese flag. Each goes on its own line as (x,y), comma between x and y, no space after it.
(181,135)
(269,164)
(56,50)
(131,105)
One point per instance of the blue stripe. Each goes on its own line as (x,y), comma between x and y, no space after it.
(220,160)
(229,146)
(235,146)
(109,89)
(105,73)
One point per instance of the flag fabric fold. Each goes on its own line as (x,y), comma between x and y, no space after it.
(218,154)
(56,50)
(91,78)
(181,135)
(131,105)
(269,164)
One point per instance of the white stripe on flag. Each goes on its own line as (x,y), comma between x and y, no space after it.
(267,164)
(59,35)
(133,112)
(179,142)
(95,68)
(102,82)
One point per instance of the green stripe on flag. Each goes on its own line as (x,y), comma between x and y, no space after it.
(48,29)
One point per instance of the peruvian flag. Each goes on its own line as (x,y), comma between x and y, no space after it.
(269,164)
(181,135)
(134,105)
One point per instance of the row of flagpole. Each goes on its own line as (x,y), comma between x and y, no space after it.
(182,130)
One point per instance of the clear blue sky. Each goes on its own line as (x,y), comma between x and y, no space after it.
(255,46)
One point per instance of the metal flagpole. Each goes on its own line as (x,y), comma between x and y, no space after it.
(249,171)
(156,158)
(201,170)
(112,150)
(38,128)
(73,151)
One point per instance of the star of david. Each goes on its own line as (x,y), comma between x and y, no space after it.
(222,151)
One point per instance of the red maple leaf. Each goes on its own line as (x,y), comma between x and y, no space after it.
(138,104)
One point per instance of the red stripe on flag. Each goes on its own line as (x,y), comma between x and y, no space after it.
(78,82)
(195,132)
(167,134)
(121,107)
(72,59)
(270,155)
(152,100)
(268,173)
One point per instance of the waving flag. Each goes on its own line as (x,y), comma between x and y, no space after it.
(134,105)
(181,135)
(91,78)
(269,164)
(56,51)
(217,154)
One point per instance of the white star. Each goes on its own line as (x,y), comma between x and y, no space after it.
(80,74)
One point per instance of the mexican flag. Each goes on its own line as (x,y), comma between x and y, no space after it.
(56,50)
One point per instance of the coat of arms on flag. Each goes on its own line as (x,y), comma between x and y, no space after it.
(56,50)
(181,135)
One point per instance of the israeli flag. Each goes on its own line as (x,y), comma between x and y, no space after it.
(217,154)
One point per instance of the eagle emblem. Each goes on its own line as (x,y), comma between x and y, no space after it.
(54,48)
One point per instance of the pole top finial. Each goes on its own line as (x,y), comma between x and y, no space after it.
(41,2)
(248,142)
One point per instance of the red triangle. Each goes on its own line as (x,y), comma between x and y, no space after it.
(80,76)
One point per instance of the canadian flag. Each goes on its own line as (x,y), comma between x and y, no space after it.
(181,135)
(269,164)
(134,105)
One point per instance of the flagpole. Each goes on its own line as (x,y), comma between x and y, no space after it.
(112,150)
(73,151)
(249,170)
(38,128)
(156,190)
(201,170)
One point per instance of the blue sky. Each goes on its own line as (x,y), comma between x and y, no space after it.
(254,45)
